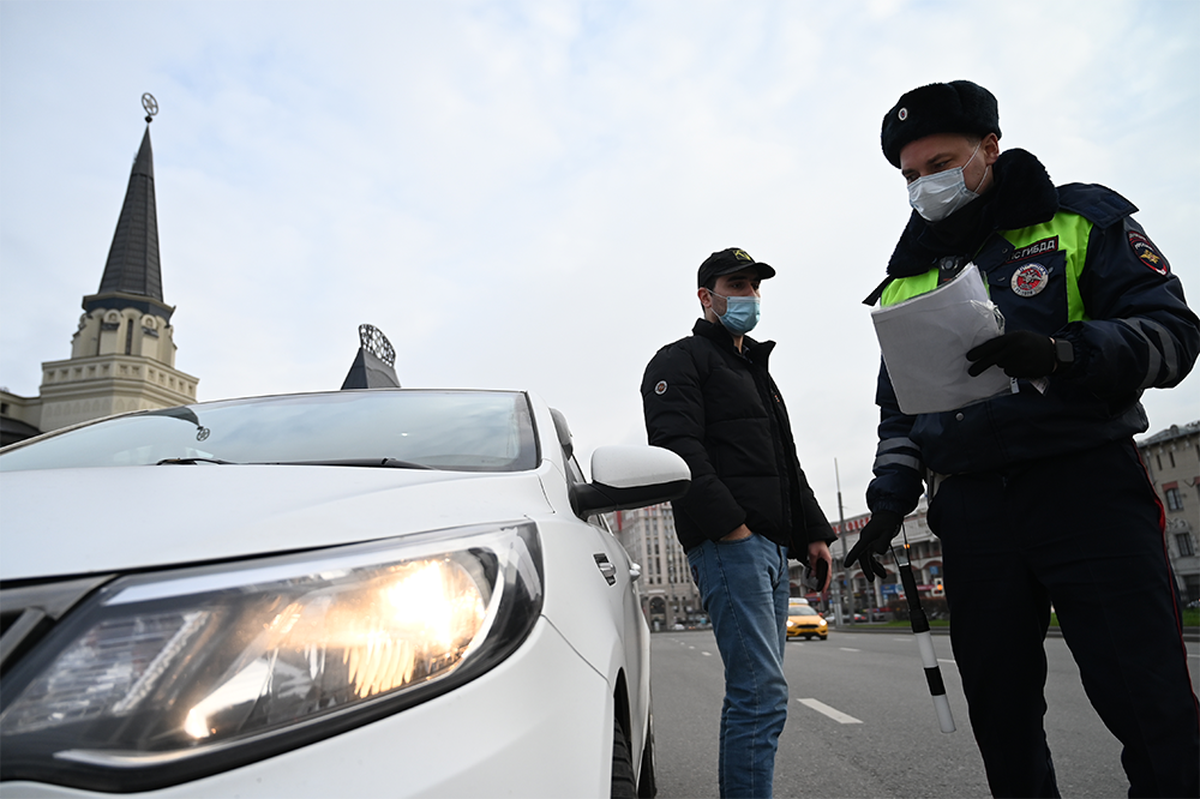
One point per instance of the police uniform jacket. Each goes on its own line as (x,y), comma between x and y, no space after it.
(1069,262)
(721,412)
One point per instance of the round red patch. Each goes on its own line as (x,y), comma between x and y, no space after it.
(1030,279)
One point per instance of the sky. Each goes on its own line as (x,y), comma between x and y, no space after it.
(518,194)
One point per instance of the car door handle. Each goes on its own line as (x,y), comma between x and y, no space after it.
(635,571)
(606,568)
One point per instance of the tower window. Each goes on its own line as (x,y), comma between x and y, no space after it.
(1173,497)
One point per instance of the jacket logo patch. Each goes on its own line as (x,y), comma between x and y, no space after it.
(1147,253)
(1037,248)
(1029,280)
(660,387)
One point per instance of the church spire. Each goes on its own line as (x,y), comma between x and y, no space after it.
(132,274)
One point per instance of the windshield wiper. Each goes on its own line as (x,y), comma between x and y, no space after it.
(192,461)
(389,463)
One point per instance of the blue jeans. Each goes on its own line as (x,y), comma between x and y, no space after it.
(744,587)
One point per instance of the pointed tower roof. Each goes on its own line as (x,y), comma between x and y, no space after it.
(132,276)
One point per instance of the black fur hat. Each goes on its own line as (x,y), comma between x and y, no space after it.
(956,107)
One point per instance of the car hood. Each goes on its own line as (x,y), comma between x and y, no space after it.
(59,522)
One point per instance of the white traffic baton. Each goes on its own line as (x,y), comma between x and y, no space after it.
(920,628)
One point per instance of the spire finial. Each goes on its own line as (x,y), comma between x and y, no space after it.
(150,105)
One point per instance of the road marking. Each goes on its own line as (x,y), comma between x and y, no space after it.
(706,654)
(848,649)
(833,713)
(691,647)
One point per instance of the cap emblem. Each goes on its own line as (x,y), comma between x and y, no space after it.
(902,114)
(660,387)
(742,256)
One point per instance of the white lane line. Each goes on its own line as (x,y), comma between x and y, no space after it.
(691,647)
(848,649)
(706,654)
(833,713)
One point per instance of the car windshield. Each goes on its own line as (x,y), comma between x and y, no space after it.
(803,610)
(478,431)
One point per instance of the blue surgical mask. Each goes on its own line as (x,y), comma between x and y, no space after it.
(741,314)
(937,196)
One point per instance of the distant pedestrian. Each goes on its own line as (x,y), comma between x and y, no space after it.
(710,398)
(1039,495)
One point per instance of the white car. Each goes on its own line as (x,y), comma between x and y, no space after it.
(356,593)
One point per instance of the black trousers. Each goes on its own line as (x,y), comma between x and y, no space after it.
(1084,532)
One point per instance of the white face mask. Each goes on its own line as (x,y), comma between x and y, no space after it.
(937,196)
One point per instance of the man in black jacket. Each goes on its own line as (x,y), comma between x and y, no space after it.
(710,399)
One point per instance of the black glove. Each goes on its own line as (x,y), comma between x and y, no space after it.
(1020,354)
(874,539)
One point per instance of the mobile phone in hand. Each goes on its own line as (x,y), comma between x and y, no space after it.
(815,580)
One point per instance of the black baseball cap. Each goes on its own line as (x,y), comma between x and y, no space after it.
(726,262)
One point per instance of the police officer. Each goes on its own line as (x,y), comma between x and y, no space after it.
(1039,496)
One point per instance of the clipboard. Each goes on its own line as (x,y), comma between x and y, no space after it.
(925,339)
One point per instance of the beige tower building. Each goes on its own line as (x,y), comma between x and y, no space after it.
(669,596)
(123,353)
(1172,458)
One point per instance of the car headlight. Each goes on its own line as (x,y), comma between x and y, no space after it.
(161,678)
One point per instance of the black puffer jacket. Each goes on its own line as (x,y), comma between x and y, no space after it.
(722,413)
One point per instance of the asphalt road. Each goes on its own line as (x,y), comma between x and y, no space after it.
(891,745)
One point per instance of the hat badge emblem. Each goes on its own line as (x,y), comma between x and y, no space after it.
(902,114)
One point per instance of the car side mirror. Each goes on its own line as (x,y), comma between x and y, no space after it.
(630,477)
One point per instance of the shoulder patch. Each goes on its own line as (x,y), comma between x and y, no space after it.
(1147,253)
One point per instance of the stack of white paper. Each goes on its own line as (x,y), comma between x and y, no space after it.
(925,341)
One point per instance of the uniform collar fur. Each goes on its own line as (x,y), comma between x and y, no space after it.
(1021,195)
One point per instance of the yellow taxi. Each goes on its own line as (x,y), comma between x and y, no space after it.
(803,620)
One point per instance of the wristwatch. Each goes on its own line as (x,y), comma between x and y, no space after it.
(1064,353)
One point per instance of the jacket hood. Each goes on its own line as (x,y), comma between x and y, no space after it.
(757,351)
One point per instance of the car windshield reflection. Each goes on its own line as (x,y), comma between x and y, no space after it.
(477,431)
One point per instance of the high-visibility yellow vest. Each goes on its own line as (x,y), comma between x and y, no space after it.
(1070,230)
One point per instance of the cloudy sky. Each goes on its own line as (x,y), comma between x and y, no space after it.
(519,193)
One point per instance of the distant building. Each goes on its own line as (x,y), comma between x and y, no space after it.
(669,595)
(123,352)
(924,552)
(1172,458)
